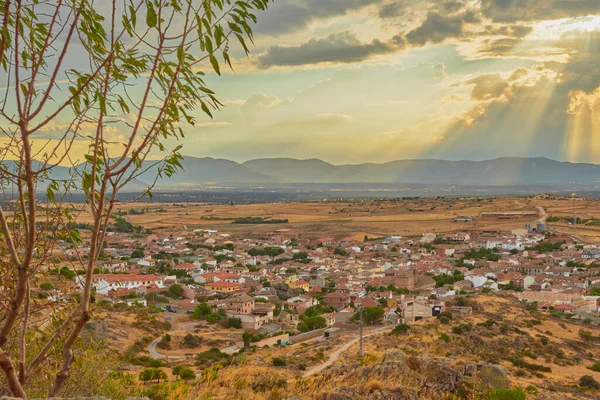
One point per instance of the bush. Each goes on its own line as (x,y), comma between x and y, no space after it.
(46,286)
(588,381)
(280,361)
(445,338)
(444,320)
(531,389)
(507,394)
(213,318)
(235,323)
(401,329)
(190,341)
(596,366)
(187,374)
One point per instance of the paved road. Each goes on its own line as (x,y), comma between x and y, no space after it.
(333,357)
(152,350)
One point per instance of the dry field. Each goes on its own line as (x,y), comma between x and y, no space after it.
(337,219)
(408,217)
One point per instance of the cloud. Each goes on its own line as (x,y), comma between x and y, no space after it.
(286,16)
(487,87)
(437,27)
(213,124)
(260,101)
(536,10)
(336,48)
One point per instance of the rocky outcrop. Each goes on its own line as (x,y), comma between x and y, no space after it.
(96,331)
(433,375)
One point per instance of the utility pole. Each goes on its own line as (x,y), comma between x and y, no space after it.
(360,350)
(574,217)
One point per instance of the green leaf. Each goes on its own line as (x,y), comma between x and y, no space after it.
(151,17)
(215,64)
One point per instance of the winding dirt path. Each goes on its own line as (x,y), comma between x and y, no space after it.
(333,357)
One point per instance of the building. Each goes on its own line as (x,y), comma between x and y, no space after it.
(104,283)
(223,287)
(242,304)
(336,300)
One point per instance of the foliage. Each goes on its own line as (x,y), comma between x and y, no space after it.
(312,323)
(151,374)
(190,341)
(507,394)
(588,381)
(46,286)
(176,290)
(279,361)
(266,251)
(235,323)
(482,254)
(444,279)
(201,311)
(401,329)
(210,357)
(370,315)
(123,80)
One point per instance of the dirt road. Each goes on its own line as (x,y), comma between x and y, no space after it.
(333,357)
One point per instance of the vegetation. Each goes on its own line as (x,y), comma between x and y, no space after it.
(119,47)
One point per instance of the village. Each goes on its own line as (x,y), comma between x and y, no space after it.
(278,281)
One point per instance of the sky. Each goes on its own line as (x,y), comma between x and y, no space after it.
(353,81)
(358,81)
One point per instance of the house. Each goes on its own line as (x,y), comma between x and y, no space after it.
(146,262)
(242,304)
(113,266)
(223,287)
(104,283)
(336,300)
(524,282)
(187,267)
(299,284)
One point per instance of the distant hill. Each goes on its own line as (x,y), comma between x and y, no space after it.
(506,171)
(497,172)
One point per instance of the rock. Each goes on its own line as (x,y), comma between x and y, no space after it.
(470,369)
(96,331)
(394,355)
(493,376)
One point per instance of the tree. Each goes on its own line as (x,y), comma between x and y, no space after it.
(201,311)
(588,381)
(312,323)
(190,341)
(147,375)
(371,315)
(121,81)
(187,374)
(176,370)
(401,329)
(176,290)
(137,253)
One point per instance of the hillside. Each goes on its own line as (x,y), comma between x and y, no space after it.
(497,172)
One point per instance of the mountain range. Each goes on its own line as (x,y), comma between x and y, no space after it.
(506,171)
(202,173)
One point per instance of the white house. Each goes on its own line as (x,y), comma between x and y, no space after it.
(104,283)
(477,280)
(147,262)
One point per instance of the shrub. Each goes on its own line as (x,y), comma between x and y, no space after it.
(507,394)
(46,286)
(280,361)
(373,385)
(531,389)
(588,381)
(190,341)
(401,329)
(187,374)
(445,337)
(596,366)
